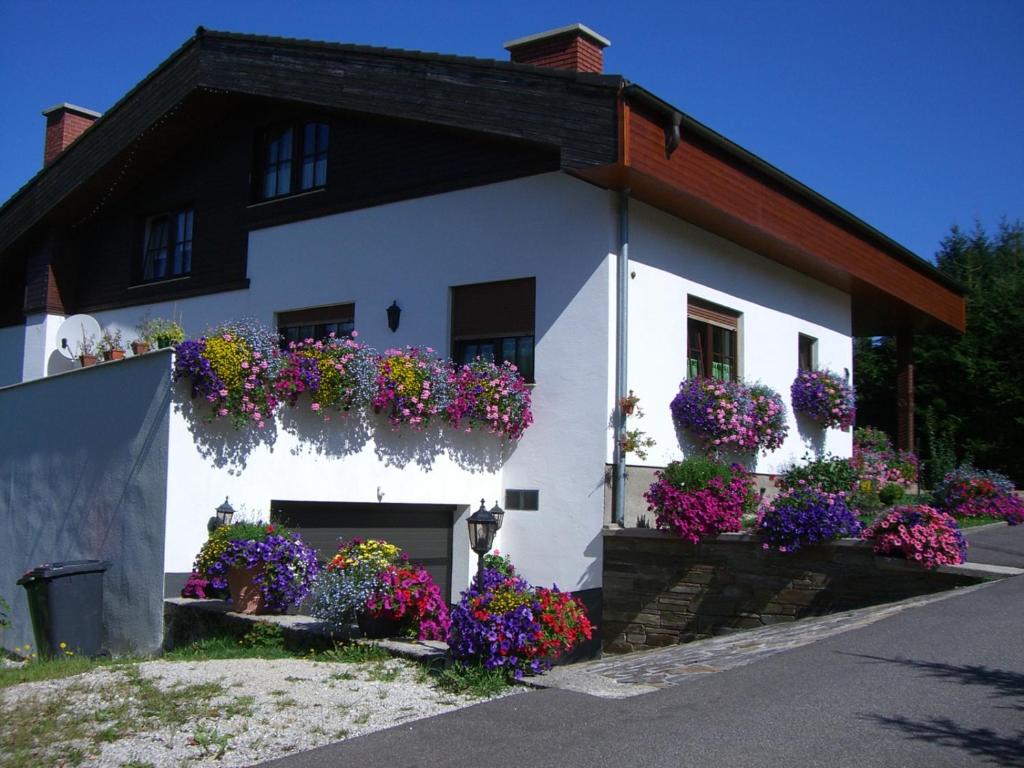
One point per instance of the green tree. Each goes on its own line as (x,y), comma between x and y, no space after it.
(969,389)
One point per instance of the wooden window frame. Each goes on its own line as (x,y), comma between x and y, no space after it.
(702,320)
(298,156)
(808,355)
(171,245)
(498,333)
(314,318)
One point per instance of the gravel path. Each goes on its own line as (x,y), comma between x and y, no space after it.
(162,714)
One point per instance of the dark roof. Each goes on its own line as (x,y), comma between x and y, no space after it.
(573,111)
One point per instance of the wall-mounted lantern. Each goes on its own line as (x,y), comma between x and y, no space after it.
(221,516)
(394,315)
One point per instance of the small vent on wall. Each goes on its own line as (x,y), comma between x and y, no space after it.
(522,499)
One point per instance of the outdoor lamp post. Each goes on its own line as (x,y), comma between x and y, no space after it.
(498,514)
(222,516)
(482,527)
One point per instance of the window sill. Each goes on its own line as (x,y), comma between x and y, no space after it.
(160,282)
(282,198)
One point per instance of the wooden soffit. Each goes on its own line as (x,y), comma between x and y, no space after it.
(703,180)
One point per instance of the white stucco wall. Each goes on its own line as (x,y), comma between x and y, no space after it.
(671,260)
(552,227)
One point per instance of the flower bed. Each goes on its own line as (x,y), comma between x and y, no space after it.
(878,463)
(239,370)
(699,497)
(968,492)
(233,368)
(335,375)
(492,396)
(918,533)
(376,579)
(731,415)
(825,397)
(504,623)
(805,515)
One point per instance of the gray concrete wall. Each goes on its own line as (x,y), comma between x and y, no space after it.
(660,590)
(83,470)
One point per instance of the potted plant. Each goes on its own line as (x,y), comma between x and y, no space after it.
(111,346)
(266,568)
(161,332)
(87,350)
(140,347)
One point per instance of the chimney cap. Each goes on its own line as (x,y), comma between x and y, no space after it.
(72,108)
(580,29)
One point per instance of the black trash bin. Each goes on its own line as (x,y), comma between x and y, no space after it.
(66,604)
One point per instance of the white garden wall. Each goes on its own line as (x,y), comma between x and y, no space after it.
(671,260)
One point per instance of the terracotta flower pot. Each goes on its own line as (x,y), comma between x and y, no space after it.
(87,360)
(377,626)
(140,347)
(113,354)
(246,596)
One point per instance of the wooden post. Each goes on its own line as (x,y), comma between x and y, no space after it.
(905,392)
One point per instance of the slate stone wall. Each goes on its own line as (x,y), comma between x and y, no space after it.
(659,590)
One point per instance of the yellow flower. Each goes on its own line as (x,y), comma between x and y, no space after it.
(63,645)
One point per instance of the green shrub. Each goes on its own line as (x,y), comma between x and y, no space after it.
(696,472)
(891,494)
(831,474)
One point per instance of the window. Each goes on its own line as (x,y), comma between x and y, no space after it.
(316,324)
(528,500)
(712,334)
(292,158)
(494,321)
(168,245)
(807,355)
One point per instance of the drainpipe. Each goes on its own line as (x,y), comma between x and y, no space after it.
(621,379)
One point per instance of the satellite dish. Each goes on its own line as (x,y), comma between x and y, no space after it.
(73,331)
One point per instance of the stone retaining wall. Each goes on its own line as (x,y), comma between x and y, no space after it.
(659,590)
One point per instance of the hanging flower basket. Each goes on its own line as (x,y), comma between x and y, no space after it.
(825,397)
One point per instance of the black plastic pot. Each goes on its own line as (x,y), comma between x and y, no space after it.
(65,601)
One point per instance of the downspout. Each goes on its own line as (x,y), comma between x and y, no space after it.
(621,348)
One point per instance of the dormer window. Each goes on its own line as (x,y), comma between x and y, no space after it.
(168,246)
(292,159)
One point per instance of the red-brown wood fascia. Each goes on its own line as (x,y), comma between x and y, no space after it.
(707,186)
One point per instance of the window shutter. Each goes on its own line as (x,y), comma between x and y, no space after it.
(485,310)
(707,312)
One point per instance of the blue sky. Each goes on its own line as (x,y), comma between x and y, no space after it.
(907,113)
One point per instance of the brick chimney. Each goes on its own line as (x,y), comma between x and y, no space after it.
(64,124)
(574,47)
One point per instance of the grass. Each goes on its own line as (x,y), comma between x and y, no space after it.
(54,730)
(475,681)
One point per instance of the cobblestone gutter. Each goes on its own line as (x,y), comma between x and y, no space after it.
(659,590)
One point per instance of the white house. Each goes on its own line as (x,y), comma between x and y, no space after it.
(566,218)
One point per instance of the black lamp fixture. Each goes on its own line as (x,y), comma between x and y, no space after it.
(225,512)
(394,315)
(482,527)
(498,514)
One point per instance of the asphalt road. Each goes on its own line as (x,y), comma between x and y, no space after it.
(937,685)
(996,545)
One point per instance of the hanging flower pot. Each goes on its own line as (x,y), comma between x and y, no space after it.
(246,594)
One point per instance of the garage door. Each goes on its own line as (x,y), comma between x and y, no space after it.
(424,531)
